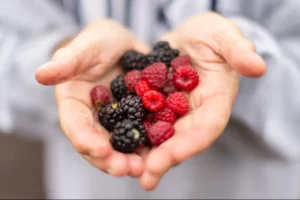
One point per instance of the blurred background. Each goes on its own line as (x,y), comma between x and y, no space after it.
(21,168)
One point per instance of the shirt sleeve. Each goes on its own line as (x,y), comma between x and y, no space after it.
(29,32)
(270,105)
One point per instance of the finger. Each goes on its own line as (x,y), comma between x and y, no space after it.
(239,52)
(136,165)
(208,123)
(98,44)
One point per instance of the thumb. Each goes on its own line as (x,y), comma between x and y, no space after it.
(90,48)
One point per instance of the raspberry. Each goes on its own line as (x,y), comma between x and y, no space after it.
(186,78)
(169,86)
(131,107)
(162,52)
(100,96)
(118,87)
(127,136)
(132,78)
(156,75)
(153,100)
(166,115)
(178,103)
(148,121)
(109,116)
(147,125)
(160,132)
(133,60)
(142,87)
(180,61)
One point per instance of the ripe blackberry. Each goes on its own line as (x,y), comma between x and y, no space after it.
(118,87)
(109,116)
(127,136)
(131,107)
(162,52)
(133,60)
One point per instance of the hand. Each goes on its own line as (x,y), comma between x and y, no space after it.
(219,53)
(90,60)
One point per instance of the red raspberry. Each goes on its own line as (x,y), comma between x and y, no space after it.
(178,103)
(166,115)
(132,78)
(156,75)
(169,86)
(100,96)
(160,132)
(186,78)
(142,87)
(147,125)
(153,100)
(180,61)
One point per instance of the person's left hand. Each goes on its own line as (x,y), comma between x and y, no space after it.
(219,53)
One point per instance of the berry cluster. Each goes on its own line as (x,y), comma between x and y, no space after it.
(148,99)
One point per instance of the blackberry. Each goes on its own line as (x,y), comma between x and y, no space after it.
(133,60)
(131,107)
(162,52)
(109,116)
(127,136)
(118,87)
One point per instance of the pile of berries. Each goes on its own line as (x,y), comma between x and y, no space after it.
(148,98)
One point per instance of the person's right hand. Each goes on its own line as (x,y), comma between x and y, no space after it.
(88,60)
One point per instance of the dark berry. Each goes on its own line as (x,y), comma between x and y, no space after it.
(127,136)
(131,107)
(162,52)
(109,116)
(133,60)
(118,87)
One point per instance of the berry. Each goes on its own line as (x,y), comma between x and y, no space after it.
(162,52)
(133,60)
(156,75)
(142,87)
(169,86)
(160,132)
(132,78)
(147,125)
(166,115)
(109,116)
(118,87)
(186,78)
(131,107)
(100,96)
(127,136)
(178,103)
(180,61)
(153,100)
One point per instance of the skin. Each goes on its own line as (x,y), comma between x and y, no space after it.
(219,53)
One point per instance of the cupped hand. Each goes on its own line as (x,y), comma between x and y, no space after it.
(219,53)
(88,60)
